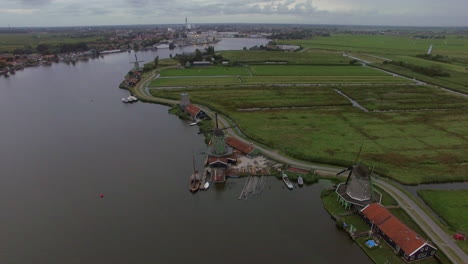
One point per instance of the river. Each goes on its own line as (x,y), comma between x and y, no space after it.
(66,137)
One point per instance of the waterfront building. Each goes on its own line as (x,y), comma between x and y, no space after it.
(406,242)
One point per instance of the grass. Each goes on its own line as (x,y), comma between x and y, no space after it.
(233,99)
(387,200)
(450,205)
(386,44)
(197,81)
(317,57)
(205,71)
(9,42)
(330,203)
(404,97)
(402,48)
(410,147)
(311,70)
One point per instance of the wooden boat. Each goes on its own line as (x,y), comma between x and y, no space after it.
(287,182)
(194,179)
(300,181)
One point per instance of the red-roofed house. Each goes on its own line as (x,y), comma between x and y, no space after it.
(240,145)
(404,240)
(194,111)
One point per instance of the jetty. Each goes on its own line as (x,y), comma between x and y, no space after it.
(253,185)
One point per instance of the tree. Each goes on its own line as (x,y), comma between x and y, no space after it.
(198,55)
(210,50)
(43,48)
(171,46)
(156,61)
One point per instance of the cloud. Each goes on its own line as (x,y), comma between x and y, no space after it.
(373,12)
(20,11)
(35,2)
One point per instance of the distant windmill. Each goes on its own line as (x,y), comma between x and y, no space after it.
(136,66)
(219,147)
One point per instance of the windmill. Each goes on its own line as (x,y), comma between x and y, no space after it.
(136,66)
(219,148)
(358,183)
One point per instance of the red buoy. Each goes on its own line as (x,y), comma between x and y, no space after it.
(101,195)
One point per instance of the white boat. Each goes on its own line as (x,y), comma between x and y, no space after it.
(300,181)
(193,124)
(206,186)
(287,182)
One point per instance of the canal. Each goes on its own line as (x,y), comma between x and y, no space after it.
(66,137)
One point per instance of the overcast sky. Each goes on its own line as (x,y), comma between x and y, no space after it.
(119,12)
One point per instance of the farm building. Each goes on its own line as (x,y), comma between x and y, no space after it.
(401,238)
(195,112)
(241,146)
(192,110)
(201,63)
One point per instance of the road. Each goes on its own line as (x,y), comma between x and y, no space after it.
(441,239)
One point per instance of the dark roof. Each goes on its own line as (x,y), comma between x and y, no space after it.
(361,171)
(240,145)
(218,132)
(408,240)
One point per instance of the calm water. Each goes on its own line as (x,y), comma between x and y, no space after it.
(66,137)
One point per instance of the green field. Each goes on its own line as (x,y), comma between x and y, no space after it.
(319,57)
(9,42)
(195,81)
(205,71)
(273,74)
(308,70)
(451,205)
(404,97)
(453,45)
(411,147)
(233,99)
(402,48)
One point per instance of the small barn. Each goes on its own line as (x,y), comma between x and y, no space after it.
(406,242)
(195,112)
(241,146)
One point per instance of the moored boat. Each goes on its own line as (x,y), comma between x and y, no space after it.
(194,178)
(287,182)
(300,181)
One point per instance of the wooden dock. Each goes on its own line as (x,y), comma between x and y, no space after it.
(253,185)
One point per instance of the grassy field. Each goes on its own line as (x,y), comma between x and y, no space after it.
(310,70)
(195,81)
(205,71)
(451,205)
(9,42)
(233,99)
(387,44)
(402,48)
(411,147)
(404,97)
(318,57)
(273,74)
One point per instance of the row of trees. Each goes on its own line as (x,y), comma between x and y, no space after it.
(437,57)
(46,49)
(208,55)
